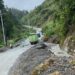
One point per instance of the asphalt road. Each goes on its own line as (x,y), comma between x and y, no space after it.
(8,58)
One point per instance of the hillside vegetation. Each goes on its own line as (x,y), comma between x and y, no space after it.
(56,17)
(12,25)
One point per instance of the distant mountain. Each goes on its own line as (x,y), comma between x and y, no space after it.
(18,14)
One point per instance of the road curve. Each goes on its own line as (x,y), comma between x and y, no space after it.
(8,58)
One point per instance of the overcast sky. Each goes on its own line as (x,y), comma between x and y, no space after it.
(23,4)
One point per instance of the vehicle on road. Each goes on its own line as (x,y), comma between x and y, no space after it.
(33,38)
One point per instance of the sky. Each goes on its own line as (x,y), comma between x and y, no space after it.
(23,4)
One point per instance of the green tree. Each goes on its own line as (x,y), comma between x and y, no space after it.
(2,9)
(1,5)
(55,16)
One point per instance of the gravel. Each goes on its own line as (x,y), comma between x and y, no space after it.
(34,56)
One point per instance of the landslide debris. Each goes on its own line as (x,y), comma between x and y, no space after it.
(41,61)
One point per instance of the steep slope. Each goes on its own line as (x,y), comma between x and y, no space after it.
(55,16)
(39,15)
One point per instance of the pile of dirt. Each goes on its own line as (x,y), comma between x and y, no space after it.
(40,61)
(69,43)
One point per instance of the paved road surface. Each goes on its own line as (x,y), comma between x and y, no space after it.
(8,58)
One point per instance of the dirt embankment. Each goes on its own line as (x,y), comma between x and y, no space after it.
(40,61)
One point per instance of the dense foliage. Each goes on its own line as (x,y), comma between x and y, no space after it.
(11,21)
(57,17)
(1,8)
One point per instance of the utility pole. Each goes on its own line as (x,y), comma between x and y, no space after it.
(3,30)
(29,24)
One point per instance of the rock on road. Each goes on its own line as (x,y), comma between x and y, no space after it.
(8,58)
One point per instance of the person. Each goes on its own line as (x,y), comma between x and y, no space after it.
(10,45)
(38,34)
